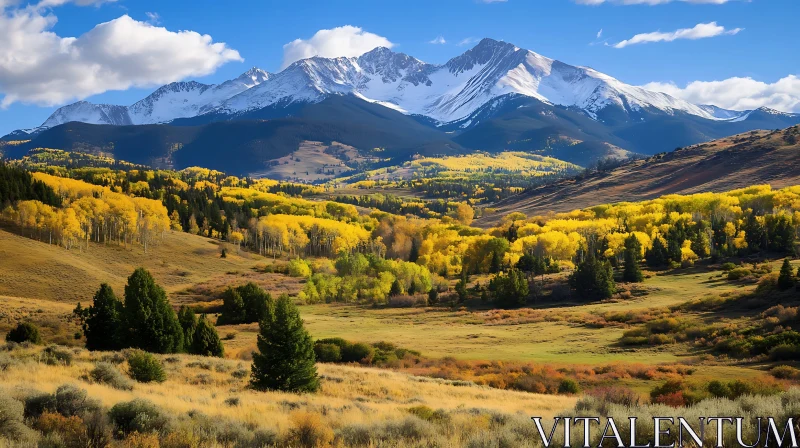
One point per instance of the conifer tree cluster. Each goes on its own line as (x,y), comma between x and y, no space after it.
(145,320)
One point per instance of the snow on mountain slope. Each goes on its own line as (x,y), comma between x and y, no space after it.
(723,114)
(453,91)
(89,113)
(189,99)
(176,100)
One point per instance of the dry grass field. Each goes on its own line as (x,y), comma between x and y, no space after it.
(350,398)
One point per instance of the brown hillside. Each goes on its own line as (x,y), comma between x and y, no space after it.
(758,157)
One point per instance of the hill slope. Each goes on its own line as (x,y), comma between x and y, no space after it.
(758,157)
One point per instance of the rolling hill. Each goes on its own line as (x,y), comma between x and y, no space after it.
(739,161)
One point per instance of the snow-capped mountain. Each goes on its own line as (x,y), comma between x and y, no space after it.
(450,92)
(169,102)
(460,94)
(89,113)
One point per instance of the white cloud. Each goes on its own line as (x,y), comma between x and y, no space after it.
(738,93)
(348,41)
(700,31)
(468,41)
(439,40)
(651,2)
(39,67)
(600,33)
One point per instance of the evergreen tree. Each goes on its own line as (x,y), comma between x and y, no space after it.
(461,289)
(256,302)
(755,234)
(593,279)
(657,256)
(433,296)
(188,321)
(206,341)
(632,272)
(413,255)
(785,278)
(526,263)
(510,290)
(412,289)
(396,288)
(233,311)
(285,360)
(150,321)
(494,265)
(102,321)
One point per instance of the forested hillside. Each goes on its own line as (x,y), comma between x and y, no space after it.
(758,157)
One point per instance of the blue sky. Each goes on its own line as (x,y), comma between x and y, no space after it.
(755,39)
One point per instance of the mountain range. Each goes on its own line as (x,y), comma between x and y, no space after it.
(495,96)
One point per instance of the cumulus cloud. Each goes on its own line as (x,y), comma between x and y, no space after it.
(39,67)
(699,31)
(651,2)
(738,93)
(348,41)
(439,40)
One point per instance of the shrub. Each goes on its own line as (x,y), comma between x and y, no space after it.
(12,425)
(784,352)
(568,386)
(137,416)
(616,395)
(137,440)
(145,368)
(108,374)
(404,301)
(358,352)
(24,332)
(785,372)
(738,274)
(70,430)
(53,356)
(670,393)
(98,429)
(68,401)
(299,268)
(328,352)
(728,266)
(308,430)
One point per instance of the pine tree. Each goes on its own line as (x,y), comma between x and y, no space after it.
(413,255)
(494,265)
(785,278)
(232,308)
(396,289)
(188,321)
(150,321)
(285,360)
(632,272)
(102,321)
(206,341)
(657,256)
(510,290)
(593,279)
